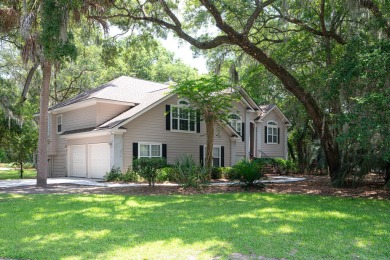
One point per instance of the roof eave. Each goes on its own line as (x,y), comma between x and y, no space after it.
(93,133)
(88,102)
(288,123)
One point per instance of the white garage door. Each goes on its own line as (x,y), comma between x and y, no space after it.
(78,161)
(99,160)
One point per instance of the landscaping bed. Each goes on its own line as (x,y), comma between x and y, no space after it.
(313,184)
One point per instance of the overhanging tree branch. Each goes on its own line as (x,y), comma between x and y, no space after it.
(28,81)
(324,33)
(373,7)
(254,15)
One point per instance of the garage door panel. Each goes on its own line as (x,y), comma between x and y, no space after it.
(78,161)
(99,160)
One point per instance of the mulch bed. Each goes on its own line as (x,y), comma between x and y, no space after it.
(314,185)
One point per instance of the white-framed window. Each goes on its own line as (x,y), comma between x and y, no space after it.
(183,117)
(236,122)
(216,155)
(59,123)
(272,132)
(149,150)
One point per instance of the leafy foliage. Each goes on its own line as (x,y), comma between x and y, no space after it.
(166,174)
(147,168)
(221,172)
(363,74)
(56,41)
(248,173)
(115,174)
(188,173)
(130,175)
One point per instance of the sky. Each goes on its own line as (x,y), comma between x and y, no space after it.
(182,50)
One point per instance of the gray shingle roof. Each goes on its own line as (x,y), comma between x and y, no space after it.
(124,89)
(264,110)
(148,100)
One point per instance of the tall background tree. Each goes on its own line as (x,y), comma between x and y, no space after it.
(49,34)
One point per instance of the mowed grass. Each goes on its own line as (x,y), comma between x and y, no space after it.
(196,227)
(15,174)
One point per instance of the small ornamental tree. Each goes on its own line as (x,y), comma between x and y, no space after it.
(22,143)
(213,97)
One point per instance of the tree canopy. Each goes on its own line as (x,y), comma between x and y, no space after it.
(299,43)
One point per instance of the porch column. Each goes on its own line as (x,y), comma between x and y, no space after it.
(233,153)
(247,134)
(116,151)
(258,139)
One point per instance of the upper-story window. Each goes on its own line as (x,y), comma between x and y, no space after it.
(272,132)
(183,117)
(236,122)
(59,123)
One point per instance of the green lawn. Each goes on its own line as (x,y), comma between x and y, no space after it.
(15,174)
(197,226)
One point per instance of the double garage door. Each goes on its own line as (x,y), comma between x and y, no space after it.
(92,160)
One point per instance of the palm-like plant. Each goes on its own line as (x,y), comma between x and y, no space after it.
(45,41)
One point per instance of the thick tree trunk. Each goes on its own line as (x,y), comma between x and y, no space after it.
(42,139)
(209,147)
(321,124)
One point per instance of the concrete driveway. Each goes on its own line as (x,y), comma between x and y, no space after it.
(101,183)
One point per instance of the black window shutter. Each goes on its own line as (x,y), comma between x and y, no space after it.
(201,157)
(265,134)
(278,135)
(198,121)
(167,117)
(135,150)
(243,132)
(164,151)
(222,156)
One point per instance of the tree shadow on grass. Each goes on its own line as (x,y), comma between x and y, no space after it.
(204,226)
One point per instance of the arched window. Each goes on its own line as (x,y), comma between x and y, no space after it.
(183,118)
(272,132)
(236,122)
(183,102)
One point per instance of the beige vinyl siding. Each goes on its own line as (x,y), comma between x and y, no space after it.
(59,160)
(273,150)
(240,146)
(52,136)
(107,111)
(78,119)
(150,127)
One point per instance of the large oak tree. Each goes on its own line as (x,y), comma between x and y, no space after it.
(256,27)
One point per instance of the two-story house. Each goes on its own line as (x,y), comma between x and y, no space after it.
(129,118)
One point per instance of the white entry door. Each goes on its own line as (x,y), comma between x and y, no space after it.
(78,161)
(98,160)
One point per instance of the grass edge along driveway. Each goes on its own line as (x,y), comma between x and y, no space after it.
(14,174)
(198,226)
